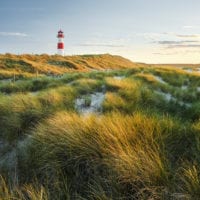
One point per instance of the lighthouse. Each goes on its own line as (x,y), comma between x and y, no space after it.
(60,45)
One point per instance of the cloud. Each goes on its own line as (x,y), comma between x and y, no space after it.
(191,27)
(188,27)
(191,51)
(101,45)
(156,36)
(181,35)
(151,36)
(16,34)
(183,46)
(168,42)
(176,51)
(165,53)
(188,36)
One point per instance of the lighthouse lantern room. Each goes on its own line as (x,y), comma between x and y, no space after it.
(60,45)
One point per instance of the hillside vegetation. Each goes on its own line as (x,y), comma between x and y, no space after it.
(131,132)
(29,65)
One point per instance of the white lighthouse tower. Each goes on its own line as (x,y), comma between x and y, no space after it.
(60,45)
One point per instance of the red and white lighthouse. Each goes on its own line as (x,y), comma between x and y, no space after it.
(60,45)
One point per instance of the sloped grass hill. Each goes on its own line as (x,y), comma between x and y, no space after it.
(30,65)
(143,142)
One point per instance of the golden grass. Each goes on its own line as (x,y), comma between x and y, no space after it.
(124,84)
(12,73)
(42,63)
(191,179)
(122,153)
(130,149)
(113,101)
(148,77)
(85,82)
(22,193)
(173,70)
(125,145)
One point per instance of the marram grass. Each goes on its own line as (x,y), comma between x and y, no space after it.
(143,146)
(126,156)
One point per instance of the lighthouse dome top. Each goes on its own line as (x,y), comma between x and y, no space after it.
(60,34)
(60,31)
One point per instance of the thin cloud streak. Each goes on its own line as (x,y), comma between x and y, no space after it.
(181,35)
(179,44)
(171,40)
(166,42)
(150,36)
(164,54)
(16,34)
(101,45)
(191,27)
(183,46)
(188,36)
(154,36)
(188,27)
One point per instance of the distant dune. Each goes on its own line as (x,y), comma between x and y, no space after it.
(54,64)
(28,65)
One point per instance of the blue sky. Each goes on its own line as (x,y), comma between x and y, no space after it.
(152,31)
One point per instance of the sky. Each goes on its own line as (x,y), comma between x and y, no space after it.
(150,31)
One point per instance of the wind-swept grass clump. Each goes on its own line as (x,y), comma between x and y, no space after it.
(113,102)
(70,77)
(125,156)
(153,82)
(131,95)
(187,181)
(20,112)
(113,84)
(173,76)
(13,87)
(22,193)
(147,77)
(194,112)
(13,74)
(35,84)
(17,115)
(38,84)
(59,98)
(84,85)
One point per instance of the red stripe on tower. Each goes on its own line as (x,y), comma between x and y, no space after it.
(60,45)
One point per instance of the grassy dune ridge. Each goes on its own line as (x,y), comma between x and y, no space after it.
(143,142)
(29,65)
